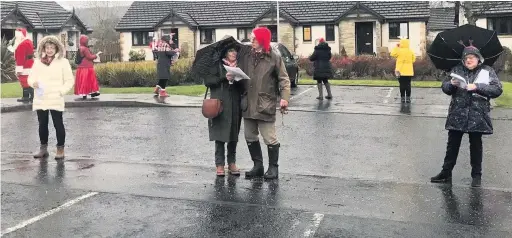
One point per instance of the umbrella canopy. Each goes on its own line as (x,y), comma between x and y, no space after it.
(207,59)
(446,50)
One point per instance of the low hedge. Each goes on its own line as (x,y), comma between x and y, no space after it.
(141,73)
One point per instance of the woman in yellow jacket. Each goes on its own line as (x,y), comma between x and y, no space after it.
(404,69)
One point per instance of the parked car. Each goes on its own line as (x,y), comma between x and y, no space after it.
(290,61)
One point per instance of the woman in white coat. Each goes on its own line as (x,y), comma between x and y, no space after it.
(52,78)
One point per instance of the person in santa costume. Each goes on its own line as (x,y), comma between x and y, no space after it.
(24,56)
(86,82)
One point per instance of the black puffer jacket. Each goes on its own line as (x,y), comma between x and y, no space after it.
(469,111)
(321,61)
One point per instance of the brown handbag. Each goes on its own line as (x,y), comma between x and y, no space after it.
(211,107)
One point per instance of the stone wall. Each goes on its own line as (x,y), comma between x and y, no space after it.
(347,36)
(186,38)
(286,36)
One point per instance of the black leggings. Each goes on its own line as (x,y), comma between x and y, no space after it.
(44,118)
(475,152)
(322,80)
(162,83)
(405,86)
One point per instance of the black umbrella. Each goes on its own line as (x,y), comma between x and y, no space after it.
(446,50)
(208,58)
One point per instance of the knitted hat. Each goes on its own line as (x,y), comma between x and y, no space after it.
(471,50)
(263,36)
(321,40)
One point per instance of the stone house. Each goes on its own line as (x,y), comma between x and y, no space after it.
(359,27)
(42,18)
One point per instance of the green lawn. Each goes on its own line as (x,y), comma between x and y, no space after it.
(371,82)
(13,90)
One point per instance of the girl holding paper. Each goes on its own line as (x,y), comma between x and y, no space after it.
(52,78)
(226,127)
(469,112)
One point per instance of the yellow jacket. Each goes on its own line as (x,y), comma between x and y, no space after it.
(404,58)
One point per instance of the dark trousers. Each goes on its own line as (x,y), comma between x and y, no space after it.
(322,80)
(162,83)
(452,152)
(220,153)
(44,118)
(405,86)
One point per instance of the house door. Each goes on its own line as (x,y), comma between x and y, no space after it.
(364,38)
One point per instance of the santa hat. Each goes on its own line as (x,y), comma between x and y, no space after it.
(22,32)
(262,35)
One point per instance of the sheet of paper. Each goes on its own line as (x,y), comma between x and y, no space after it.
(462,81)
(40,90)
(236,72)
(483,77)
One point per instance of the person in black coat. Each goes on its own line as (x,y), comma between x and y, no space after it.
(322,68)
(469,112)
(164,53)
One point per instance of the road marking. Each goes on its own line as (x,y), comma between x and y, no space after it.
(386,99)
(48,213)
(305,91)
(317,218)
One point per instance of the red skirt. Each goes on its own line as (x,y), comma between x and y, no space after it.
(86,81)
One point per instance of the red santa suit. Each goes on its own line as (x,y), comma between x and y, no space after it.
(24,56)
(86,82)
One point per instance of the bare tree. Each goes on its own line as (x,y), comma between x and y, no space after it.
(472,10)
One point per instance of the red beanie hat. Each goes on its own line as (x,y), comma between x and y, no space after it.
(321,40)
(263,35)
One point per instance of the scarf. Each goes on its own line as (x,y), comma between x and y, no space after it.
(47,60)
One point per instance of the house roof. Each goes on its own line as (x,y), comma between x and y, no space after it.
(41,14)
(441,19)
(147,15)
(493,8)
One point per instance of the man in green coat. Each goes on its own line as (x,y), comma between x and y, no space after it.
(268,81)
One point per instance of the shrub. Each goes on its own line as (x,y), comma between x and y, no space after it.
(73,64)
(137,55)
(140,74)
(8,63)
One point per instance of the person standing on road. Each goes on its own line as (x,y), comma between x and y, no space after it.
(225,127)
(52,78)
(164,60)
(86,81)
(469,112)
(321,58)
(268,81)
(404,69)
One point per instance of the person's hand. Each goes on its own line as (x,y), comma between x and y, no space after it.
(229,77)
(36,85)
(471,87)
(284,104)
(455,82)
(177,50)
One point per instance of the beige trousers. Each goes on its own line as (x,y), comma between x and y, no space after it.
(252,128)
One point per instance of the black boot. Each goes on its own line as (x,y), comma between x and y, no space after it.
(477,182)
(31,94)
(407,99)
(273,158)
(257,157)
(402,99)
(443,177)
(25,97)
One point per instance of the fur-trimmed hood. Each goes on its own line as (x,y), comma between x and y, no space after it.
(61,50)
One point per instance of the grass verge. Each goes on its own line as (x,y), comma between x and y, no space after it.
(13,90)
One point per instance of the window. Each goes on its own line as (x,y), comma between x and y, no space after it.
(273,31)
(207,36)
(306,33)
(244,33)
(140,38)
(502,25)
(175,38)
(329,33)
(34,39)
(398,29)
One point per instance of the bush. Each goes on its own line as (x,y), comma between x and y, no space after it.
(8,63)
(137,55)
(73,64)
(141,74)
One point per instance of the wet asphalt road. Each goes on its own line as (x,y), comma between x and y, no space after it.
(148,172)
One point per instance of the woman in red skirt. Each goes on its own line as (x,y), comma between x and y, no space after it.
(86,82)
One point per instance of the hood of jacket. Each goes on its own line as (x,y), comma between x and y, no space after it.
(323,46)
(84,40)
(61,50)
(404,43)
